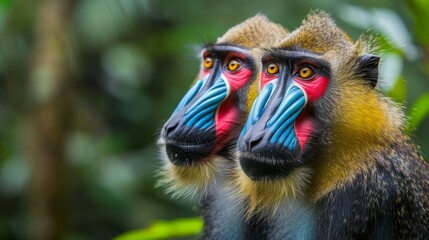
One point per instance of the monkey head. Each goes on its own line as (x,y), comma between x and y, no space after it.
(317,88)
(210,115)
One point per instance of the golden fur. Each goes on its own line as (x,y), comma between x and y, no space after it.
(370,118)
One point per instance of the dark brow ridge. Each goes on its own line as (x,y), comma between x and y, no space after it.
(225,48)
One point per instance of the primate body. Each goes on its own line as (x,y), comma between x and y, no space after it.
(323,154)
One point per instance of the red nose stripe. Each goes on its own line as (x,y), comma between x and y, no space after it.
(227,118)
(304,126)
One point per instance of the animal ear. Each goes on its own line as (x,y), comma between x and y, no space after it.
(368,68)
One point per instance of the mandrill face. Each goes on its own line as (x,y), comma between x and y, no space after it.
(209,117)
(282,118)
(210,113)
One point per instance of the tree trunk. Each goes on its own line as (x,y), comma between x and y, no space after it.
(46,122)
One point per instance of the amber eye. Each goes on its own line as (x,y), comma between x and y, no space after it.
(208,62)
(306,72)
(272,68)
(234,65)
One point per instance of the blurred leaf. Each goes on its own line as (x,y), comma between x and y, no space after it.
(82,149)
(184,227)
(127,70)
(399,90)
(390,71)
(5,2)
(356,16)
(14,174)
(384,20)
(117,176)
(419,111)
(420,9)
(103,21)
(13,52)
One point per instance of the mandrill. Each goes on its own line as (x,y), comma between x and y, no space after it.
(197,140)
(323,154)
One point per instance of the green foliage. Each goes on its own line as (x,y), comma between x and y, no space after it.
(418,111)
(420,9)
(5,2)
(399,90)
(184,227)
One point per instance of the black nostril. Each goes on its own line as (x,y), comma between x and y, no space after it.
(249,143)
(169,128)
(254,142)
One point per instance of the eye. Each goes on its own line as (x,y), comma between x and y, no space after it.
(306,72)
(272,68)
(234,65)
(208,62)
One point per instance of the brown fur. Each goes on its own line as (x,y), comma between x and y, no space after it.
(257,31)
